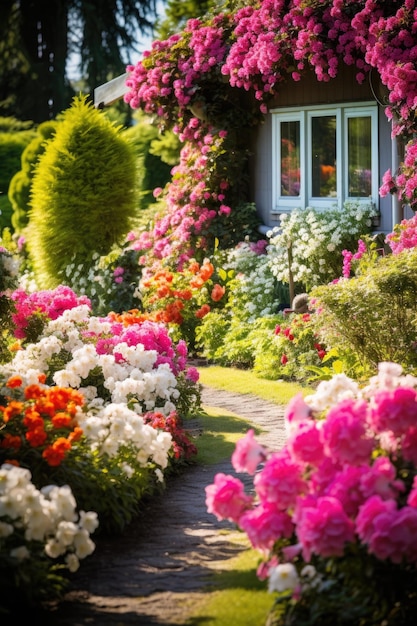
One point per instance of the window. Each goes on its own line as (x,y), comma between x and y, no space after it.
(324,156)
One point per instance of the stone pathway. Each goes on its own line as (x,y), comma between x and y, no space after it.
(159,567)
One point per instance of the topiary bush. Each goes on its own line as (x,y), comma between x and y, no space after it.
(83,195)
(374,312)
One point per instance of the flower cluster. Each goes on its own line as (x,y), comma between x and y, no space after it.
(39,419)
(106,359)
(177,296)
(346,477)
(42,305)
(252,288)
(404,236)
(316,240)
(404,182)
(43,520)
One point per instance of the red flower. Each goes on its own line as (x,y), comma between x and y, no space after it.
(202,311)
(217,292)
(284,359)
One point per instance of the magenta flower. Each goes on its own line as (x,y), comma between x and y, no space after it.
(248,454)
(265,525)
(323,528)
(281,481)
(226,498)
(344,433)
(394,410)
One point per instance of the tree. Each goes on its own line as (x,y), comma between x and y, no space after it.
(37,36)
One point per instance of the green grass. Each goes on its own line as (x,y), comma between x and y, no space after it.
(246,382)
(220,431)
(235,597)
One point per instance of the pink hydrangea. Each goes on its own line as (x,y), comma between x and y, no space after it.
(394,410)
(322,527)
(226,498)
(248,454)
(344,433)
(305,443)
(265,525)
(281,481)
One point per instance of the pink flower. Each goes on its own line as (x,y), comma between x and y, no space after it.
(372,515)
(394,410)
(265,525)
(248,454)
(305,443)
(280,481)
(193,374)
(296,411)
(344,433)
(323,527)
(226,498)
(380,479)
(412,496)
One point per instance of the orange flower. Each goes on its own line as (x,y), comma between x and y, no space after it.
(163,291)
(76,434)
(61,420)
(197,282)
(217,292)
(194,267)
(42,378)
(36,437)
(184,294)
(33,392)
(206,270)
(32,419)
(11,410)
(202,311)
(55,454)
(14,381)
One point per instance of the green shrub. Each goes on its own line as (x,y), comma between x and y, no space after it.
(374,313)
(83,195)
(20,184)
(14,137)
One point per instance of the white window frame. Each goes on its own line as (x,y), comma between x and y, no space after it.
(304,116)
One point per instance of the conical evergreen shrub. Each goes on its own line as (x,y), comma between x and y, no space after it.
(82,195)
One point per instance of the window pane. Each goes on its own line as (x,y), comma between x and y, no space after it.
(323,145)
(290,158)
(359,157)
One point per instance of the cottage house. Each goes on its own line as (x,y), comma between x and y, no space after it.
(325,143)
(322,144)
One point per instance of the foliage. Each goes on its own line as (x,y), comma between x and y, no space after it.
(13,141)
(333,513)
(354,313)
(316,240)
(20,184)
(153,168)
(66,228)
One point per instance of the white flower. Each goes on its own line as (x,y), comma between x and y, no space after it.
(283,577)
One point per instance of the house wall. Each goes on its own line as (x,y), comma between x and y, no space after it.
(343,88)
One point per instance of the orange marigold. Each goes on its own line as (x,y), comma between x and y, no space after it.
(55,453)
(14,381)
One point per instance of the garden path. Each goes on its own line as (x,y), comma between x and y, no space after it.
(153,574)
